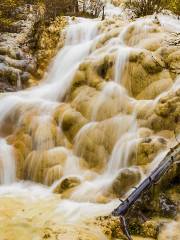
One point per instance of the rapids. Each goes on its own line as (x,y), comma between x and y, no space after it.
(70,147)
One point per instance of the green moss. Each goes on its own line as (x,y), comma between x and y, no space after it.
(8,16)
(143,8)
(174,6)
(135,229)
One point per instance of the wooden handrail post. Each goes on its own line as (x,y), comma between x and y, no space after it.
(122,210)
(103,13)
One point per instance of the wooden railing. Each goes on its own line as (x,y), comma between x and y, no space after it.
(121,211)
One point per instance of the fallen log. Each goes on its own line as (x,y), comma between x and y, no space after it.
(122,210)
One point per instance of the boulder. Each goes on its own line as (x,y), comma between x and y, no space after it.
(126,179)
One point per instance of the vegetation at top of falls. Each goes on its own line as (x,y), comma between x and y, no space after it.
(148,7)
(12,11)
(89,8)
(174,6)
(7,15)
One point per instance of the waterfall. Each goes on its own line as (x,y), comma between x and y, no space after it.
(171,24)
(78,131)
(19,83)
(122,57)
(7,163)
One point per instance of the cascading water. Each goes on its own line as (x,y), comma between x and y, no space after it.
(108,129)
(7,163)
(122,58)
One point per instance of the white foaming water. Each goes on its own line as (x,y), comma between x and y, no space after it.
(126,145)
(169,23)
(91,190)
(111,11)
(111,90)
(122,151)
(121,60)
(43,137)
(77,46)
(74,211)
(140,27)
(83,130)
(7,163)
(26,189)
(81,32)
(61,73)
(78,41)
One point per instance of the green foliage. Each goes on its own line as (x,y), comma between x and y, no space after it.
(8,9)
(9,14)
(174,6)
(145,7)
(148,7)
(8,6)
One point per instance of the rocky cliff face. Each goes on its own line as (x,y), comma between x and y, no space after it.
(17,61)
(26,46)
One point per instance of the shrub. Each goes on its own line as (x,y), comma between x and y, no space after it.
(146,7)
(73,7)
(94,7)
(9,13)
(9,7)
(174,6)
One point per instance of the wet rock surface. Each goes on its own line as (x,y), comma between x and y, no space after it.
(26,52)
(17,64)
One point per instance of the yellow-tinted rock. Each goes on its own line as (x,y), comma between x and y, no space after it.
(95,142)
(148,149)
(67,184)
(72,122)
(53,174)
(39,163)
(126,179)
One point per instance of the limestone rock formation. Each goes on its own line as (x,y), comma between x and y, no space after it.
(105,115)
(26,52)
(17,64)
